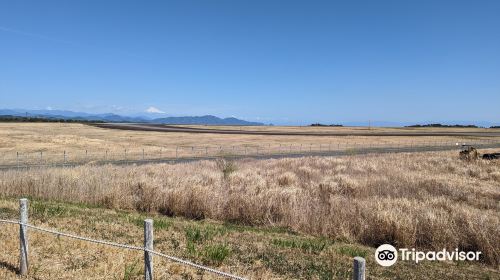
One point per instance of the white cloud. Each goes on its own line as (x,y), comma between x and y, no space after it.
(154,110)
(49,108)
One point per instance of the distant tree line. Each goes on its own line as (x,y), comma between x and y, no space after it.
(495,126)
(442,125)
(9,118)
(320,124)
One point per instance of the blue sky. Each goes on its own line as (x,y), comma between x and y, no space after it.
(274,61)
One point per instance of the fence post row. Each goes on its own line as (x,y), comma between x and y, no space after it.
(359,264)
(23,236)
(148,245)
(24,159)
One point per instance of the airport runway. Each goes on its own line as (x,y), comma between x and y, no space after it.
(170,128)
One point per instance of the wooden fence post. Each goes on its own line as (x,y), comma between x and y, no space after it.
(148,244)
(23,236)
(359,269)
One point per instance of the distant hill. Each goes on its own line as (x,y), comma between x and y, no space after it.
(442,125)
(10,118)
(208,120)
(59,115)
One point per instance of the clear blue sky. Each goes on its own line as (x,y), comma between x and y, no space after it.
(274,61)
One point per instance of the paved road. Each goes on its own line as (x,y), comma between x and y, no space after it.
(169,128)
(359,151)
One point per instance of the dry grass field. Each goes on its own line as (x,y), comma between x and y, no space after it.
(254,252)
(86,143)
(299,218)
(333,207)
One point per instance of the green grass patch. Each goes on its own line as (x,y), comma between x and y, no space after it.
(4,211)
(161,224)
(44,210)
(215,254)
(200,234)
(352,251)
(244,228)
(306,245)
(158,223)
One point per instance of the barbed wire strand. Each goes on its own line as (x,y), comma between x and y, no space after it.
(125,246)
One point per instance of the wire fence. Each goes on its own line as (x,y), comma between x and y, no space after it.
(18,159)
(359,263)
(23,240)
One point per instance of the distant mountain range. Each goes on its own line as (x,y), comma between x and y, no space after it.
(70,115)
(163,118)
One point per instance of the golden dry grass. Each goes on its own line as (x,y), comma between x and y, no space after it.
(87,143)
(426,200)
(253,252)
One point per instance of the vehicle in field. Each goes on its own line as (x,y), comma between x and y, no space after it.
(469,153)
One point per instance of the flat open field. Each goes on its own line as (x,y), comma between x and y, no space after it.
(53,142)
(265,219)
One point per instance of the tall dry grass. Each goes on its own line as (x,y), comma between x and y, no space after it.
(428,201)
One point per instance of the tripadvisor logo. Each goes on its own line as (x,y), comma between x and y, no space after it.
(387,255)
